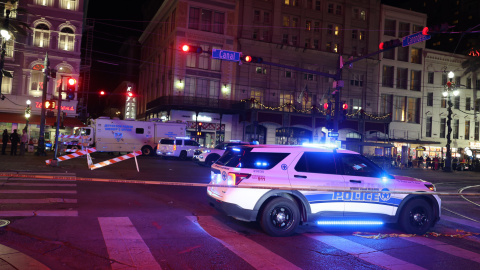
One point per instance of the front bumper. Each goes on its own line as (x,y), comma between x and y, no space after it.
(233,210)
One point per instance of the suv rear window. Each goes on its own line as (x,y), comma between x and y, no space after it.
(166,141)
(190,142)
(245,158)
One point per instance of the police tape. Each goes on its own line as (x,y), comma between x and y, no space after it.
(112,161)
(186,184)
(73,155)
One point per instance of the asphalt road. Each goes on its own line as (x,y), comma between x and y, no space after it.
(96,225)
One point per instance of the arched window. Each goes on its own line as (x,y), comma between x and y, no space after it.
(36,80)
(41,36)
(66,39)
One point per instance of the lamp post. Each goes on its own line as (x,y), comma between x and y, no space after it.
(28,112)
(449,91)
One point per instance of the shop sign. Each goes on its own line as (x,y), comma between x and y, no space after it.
(202,118)
(420,148)
(475,145)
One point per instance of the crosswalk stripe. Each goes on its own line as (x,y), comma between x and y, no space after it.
(44,200)
(38,185)
(363,252)
(41,213)
(125,245)
(444,247)
(462,221)
(18,191)
(256,255)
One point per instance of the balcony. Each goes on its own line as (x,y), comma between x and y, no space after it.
(194,104)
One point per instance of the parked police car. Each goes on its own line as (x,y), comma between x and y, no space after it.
(352,189)
(208,156)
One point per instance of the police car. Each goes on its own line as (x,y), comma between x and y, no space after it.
(293,185)
(208,156)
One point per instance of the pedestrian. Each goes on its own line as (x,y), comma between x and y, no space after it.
(435,163)
(399,160)
(429,162)
(410,162)
(23,142)
(4,141)
(454,163)
(420,162)
(14,140)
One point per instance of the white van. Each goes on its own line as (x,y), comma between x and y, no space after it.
(180,147)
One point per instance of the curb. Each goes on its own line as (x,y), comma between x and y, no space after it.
(17,260)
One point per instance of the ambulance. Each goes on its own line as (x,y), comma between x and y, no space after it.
(114,135)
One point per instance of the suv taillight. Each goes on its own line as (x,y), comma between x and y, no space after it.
(238,177)
(174,147)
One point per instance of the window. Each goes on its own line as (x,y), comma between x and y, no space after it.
(335,48)
(293,3)
(389,54)
(203,60)
(415,80)
(358,165)
(218,22)
(294,41)
(288,74)
(477,105)
(468,103)
(413,110)
(430,99)
(295,22)
(66,39)
(431,77)
(362,35)
(403,29)
(286,21)
(206,20)
(329,29)
(444,79)
(469,83)
(336,30)
(316,27)
(443,102)
(455,127)
(307,43)
(7,84)
(417,28)
(68,4)
(330,8)
(317,5)
(308,25)
(48,3)
(10,47)
(387,76)
(386,104)
(328,47)
(390,28)
(458,81)
(357,80)
(402,54)
(194,18)
(285,39)
(191,143)
(338,10)
(402,78)
(260,70)
(456,102)
(315,44)
(476,132)
(416,56)
(247,159)
(139,130)
(477,85)
(443,124)
(467,130)
(265,36)
(309,77)
(266,17)
(354,34)
(255,34)
(428,128)
(256,15)
(363,15)
(41,36)
(398,108)
(310,160)
(36,80)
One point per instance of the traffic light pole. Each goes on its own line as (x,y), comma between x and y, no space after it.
(59,111)
(41,138)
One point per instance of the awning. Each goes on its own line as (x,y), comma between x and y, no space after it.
(387,145)
(414,141)
(35,120)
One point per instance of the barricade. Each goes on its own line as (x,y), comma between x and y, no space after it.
(113,160)
(73,155)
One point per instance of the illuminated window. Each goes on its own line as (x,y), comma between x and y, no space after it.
(41,35)
(10,47)
(336,30)
(66,39)
(7,84)
(36,80)
(69,4)
(399,108)
(308,25)
(286,21)
(48,3)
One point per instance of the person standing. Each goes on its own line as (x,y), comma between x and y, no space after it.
(4,141)
(14,139)
(23,142)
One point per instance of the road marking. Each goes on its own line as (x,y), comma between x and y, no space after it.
(256,255)
(18,260)
(367,254)
(462,221)
(444,247)
(19,191)
(40,213)
(125,245)
(37,184)
(44,200)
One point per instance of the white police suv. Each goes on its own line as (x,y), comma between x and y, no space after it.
(208,156)
(292,185)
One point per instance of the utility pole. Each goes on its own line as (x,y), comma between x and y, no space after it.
(41,139)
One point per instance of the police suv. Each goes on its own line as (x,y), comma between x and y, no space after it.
(208,156)
(283,186)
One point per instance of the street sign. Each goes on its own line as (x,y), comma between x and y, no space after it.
(333,134)
(225,55)
(414,38)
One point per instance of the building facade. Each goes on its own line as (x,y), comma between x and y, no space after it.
(55,28)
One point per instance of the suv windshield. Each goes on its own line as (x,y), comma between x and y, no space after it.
(224,146)
(243,157)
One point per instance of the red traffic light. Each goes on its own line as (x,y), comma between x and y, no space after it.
(71,81)
(194,49)
(248,58)
(200,123)
(102,93)
(130,94)
(425,31)
(325,106)
(345,106)
(185,48)
(390,44)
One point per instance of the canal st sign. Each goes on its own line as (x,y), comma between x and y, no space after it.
(414,38)
(225,55)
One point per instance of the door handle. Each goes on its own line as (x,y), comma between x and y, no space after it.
(356,181)
(300,176)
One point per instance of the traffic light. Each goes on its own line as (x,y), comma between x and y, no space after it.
(50,104)
(252,59)
(344,110)
(386,45)
(130,94)
(327,106)
(71,85)
(441,28)
(102,93)
(199,129)
(191,49)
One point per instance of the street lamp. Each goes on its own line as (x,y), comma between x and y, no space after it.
(449,91)
(28,112)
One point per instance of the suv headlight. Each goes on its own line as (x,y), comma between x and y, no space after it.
(206,151)
(431,187)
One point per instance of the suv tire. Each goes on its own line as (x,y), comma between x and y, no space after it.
(280,217)
(211,159)
(416,217)
(183,155)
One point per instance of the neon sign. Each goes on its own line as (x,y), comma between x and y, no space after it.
(64,108)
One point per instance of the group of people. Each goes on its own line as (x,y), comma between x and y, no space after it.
(14,139)
(437,163)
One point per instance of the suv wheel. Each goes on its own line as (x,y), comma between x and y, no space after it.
(280,217)
(210,160)
(416,217)
(183,155)
(147,150)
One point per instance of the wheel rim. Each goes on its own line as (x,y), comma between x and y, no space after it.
(419,217)
(281,217)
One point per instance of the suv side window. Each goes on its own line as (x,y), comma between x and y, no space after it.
(190,142)
(359,166)
(245,158)
(178,142)
(316,162)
